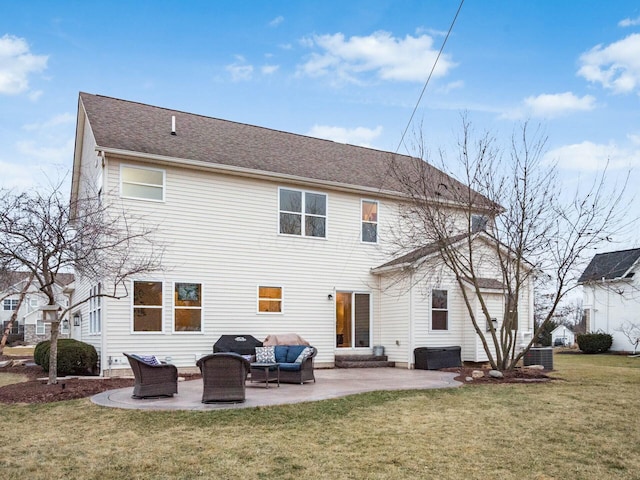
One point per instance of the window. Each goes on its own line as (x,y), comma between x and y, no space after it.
(369,221)
(95,309)
(142,183)
(303,213)
(40,326)
(270,299)
(10,304)
(478,223)
(187,312)
(33,305)
(439,313)
(147,306)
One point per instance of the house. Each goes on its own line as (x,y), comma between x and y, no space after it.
(562,336)
(30,325)
(611,295)
(264,232)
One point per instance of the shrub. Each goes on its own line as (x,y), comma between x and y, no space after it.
(594,342)
(74,357)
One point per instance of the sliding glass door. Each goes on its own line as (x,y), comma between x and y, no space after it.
(353,320)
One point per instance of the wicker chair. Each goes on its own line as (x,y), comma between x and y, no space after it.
(223,377)
(153,380)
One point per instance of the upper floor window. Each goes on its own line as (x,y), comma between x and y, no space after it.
(147,307)
(303,213)
(369,221)
(142,183)
(479,223)
(95,309)
(269,299)
(439,310)
(187,312)
(10,304)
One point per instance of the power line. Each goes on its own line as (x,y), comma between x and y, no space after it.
(435,63)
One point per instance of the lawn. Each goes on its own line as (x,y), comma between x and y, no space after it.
(582,426)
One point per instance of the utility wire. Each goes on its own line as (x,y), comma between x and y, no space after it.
(435,63)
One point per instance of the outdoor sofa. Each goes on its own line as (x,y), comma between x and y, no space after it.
(293,369)
(152,377)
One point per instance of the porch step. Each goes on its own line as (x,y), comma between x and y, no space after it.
(362,361)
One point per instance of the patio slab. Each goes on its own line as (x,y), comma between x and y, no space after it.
(330,383)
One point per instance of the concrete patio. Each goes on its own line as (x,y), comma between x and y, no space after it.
(330,383)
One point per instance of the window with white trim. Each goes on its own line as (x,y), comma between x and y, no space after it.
(40,328)
(369,221)
(10,304)
(302,213)
(142,183)
(187,307)
(95,309)
(147,306)
(439,310)
(269,299)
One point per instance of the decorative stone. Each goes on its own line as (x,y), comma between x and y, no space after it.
(468,379)
(19,362)
(496,374)
(6,363)
(477,374)
(535,367)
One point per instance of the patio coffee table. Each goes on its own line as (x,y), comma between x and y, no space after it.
(265,372)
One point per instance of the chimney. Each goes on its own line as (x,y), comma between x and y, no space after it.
(173,124)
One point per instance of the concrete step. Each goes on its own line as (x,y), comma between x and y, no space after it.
(362,361)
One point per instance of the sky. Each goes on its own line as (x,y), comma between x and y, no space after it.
(351,72)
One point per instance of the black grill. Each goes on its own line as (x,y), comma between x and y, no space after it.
(242,344)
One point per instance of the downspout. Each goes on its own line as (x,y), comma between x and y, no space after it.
(410,342)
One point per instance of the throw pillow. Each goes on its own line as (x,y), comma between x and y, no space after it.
(306,353)
(265,355)
(150,359)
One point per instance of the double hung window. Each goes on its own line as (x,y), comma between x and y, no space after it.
(269,299)
(439,310)
(147,306)
(187,312)
(95,309)
(142,183)
(369,221)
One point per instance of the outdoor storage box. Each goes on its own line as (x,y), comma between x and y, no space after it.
(434,358)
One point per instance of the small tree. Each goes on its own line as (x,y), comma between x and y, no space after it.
(631,330)
(514,208)
(45,235)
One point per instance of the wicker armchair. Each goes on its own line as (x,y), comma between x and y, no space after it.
(153,380)
(223,377)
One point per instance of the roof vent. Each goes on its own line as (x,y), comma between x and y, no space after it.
(173,124)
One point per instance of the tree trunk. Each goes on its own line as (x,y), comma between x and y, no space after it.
(53,353)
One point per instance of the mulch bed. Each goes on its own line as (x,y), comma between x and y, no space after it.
(37,391)
(517,375)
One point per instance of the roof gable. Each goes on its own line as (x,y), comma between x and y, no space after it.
(610,265)
(125,126)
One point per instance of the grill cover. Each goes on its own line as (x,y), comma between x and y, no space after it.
(242,344)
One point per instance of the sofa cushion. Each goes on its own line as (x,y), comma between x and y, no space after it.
(265,355)
(281,353)
(148,359)
(290,367)
(304,354)
(294,352)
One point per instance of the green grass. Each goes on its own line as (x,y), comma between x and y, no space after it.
(582,426)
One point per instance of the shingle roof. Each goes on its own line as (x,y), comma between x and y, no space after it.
(136,127)
(611,265)
(421,252)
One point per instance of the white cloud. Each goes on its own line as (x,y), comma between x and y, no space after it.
(276,21)
(62,119)
(45,152)
(356,136)
(389,58)
(269,69)
(629,22)
(451,86)
(554,105)
(590,157)
(615,66)
(16,64)
(240,71)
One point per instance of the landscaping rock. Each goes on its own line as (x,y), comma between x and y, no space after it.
(468,379)
(495,374)
(6,363)
(477,374)
(535,367)
(19,362)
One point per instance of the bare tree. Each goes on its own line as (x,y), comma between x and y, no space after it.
(631,330)
(45,235)
(14,316)
(505,213)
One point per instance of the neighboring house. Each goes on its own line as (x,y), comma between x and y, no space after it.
(562,336)
(30,326)
(264,232)
(611,295)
